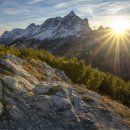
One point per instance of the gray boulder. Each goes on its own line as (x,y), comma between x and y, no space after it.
(28,102)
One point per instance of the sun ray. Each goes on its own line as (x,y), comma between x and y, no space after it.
(107,38)
(111,46)
(115,42)
(117,57)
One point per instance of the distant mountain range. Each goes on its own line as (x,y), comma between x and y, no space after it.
(53,28)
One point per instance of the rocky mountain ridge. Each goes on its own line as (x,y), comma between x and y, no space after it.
(35,96)
(53,28)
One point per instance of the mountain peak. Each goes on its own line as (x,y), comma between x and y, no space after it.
(31,25)
(52,28)
(72,13)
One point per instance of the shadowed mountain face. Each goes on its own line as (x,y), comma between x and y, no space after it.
(103,50)
(71,36)
(33,95)
(95,47)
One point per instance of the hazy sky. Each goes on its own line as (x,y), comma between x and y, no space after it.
(20,13)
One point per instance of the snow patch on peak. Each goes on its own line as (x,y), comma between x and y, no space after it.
(32,25)
(9,36)
(52,28)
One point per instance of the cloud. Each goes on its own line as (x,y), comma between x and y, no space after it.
(35,1)
(60,5)
(14,13)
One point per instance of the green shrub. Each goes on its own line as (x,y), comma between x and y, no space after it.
(78,72)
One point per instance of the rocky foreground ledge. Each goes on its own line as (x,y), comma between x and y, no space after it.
(35,96)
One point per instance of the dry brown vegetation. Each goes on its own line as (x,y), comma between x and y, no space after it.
(80,89)
(87,99)
(118,108)
(35,69)
(126,122)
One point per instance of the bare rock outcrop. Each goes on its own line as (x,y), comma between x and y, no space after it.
(35,96)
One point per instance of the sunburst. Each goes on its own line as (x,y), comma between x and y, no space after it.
(115,41)
(119,26)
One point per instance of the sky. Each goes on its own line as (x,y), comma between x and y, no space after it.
(20,13)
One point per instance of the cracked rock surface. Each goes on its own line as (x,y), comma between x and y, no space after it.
(35,96)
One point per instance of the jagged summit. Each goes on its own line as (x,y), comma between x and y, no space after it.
(52,28)
(31,25)
(72,13)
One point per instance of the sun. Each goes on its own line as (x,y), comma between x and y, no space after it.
(119,26)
